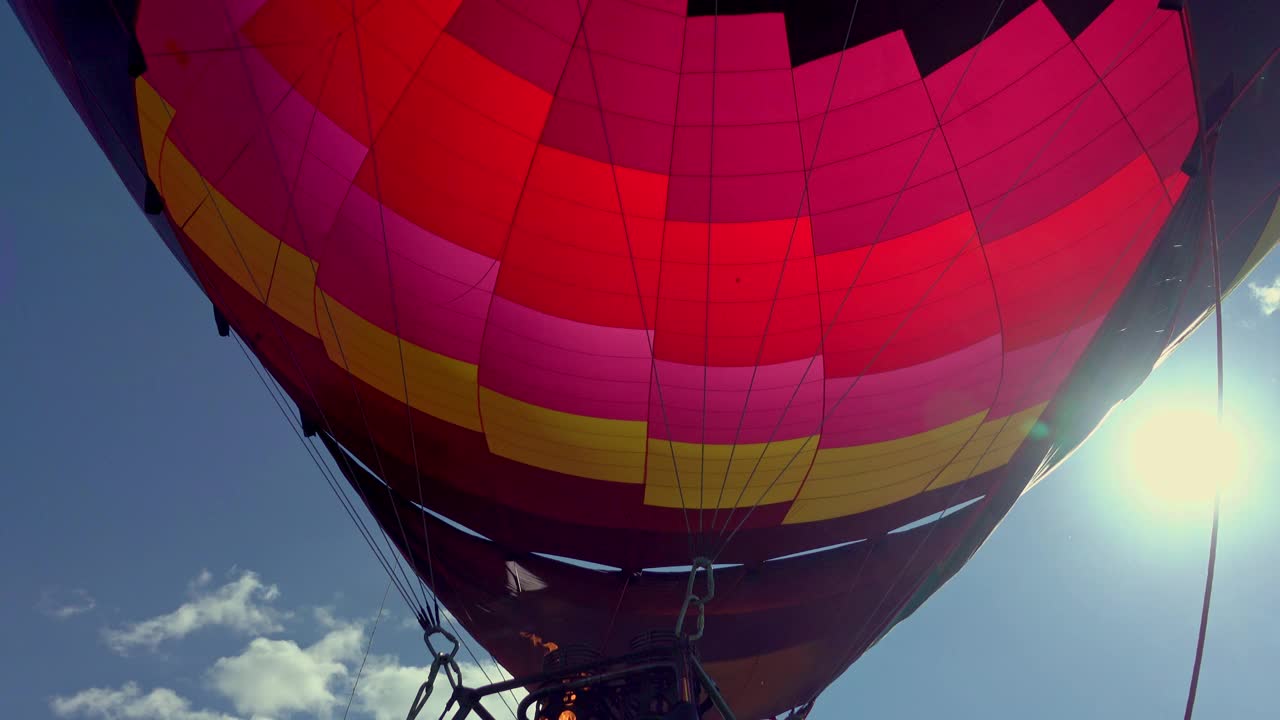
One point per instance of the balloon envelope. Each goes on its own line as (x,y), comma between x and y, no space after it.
(629,282)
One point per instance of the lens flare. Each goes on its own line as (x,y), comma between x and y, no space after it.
(1177,457)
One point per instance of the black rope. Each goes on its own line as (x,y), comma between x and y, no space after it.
(1208,144)
(347,506)
(271,316)
(858,636)
(706,312)
(828,412)
(655,383)
(367,647)
(90,97)
(777,290)
(395,314)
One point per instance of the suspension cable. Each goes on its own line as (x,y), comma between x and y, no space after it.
(368,646)
(1208,155)
(1217,491)
(959,486)
(271,317)
(327,474)
(655,382)
(725,531)
(806,177)
(391,291)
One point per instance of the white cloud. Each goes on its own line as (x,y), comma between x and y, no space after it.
(242,605)
(129,703)
(1268,296)
(276,678)
(280,677)
(60,605)
(387,688)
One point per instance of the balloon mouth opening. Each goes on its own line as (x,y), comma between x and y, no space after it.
(659,677)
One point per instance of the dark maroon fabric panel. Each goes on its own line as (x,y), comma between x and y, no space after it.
(820,611)
(937,30)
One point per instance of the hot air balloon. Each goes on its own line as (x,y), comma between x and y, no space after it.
(681,349)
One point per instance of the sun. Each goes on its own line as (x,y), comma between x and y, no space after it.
(1177,457)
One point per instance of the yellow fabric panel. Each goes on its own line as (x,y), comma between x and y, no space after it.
(1009,439)
(290,277)
(926,461)
(825,508)
(177,180)
(154,116)
(293,289)
(1267,241)
(842,471)
(588,447)
(180,184)
(992,446)
(856,478)
(236,244)
(438,385)
(284,275)
(940,435)
(702,476)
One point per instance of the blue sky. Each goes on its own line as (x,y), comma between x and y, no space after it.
(169,550)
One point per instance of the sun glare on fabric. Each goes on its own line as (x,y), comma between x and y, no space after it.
(1176,458)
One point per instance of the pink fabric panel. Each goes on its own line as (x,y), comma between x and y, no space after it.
(634,33)
(742,198)
(1080,282)
(1168,154)
(1146,67)
(741,98)
(235,152)
(192,25)
(256,181)
(558,17)
(1167,108)
(318,160)
(212,126)
(1038,197)
(630,141)
(616,98)
(321,178)
(621,86)
(756,149)
(911,400)
(873,68)
(679,414)
(565,365)
(495,29)
(240,10)
(1123,26)
(925,201)
(872,124)
(740,42)
(1052,142)
(442,290)
(878,173)
(1059,82)
(1033,374)
(1004,58)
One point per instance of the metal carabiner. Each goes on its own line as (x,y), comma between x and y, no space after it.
(698,601)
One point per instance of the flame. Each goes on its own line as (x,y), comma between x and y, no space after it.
(547,646)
